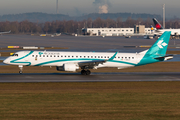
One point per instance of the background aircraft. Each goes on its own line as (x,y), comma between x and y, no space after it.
(5,32)
(71,61)
(160,30)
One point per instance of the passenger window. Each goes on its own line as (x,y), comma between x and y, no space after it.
(47,55)
(32,55)
(43,55)
(36,55)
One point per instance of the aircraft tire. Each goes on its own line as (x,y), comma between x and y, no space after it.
(83,72)
(88,72)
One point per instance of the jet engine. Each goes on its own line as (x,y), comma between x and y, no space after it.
(70,67)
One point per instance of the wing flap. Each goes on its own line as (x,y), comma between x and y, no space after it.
(91,64)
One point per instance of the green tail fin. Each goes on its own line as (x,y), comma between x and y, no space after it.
(159,48)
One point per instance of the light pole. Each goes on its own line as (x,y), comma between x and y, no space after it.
(164,16)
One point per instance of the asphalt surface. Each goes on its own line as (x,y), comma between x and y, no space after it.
(80,43)
(95,77)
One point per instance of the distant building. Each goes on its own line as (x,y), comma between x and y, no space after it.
(139,29)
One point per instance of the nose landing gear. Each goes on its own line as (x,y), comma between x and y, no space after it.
(21,69)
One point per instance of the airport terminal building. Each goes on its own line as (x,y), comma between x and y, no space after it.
(138,29)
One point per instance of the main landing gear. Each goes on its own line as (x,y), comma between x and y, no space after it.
(21,69)
(85,72)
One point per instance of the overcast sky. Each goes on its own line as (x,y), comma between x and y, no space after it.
(79,7)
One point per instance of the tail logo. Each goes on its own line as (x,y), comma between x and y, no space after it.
(161,44)
(158,26)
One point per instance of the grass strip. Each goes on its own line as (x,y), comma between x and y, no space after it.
(173,52)
(97,101)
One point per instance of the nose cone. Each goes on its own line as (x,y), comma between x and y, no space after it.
(6,61)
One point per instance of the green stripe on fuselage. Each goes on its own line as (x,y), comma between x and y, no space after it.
(29,63)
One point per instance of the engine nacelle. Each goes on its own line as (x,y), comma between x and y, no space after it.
(71,67)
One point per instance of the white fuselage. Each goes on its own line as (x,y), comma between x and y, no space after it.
(173,31)
(53,58)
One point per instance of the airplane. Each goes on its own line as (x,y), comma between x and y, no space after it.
(5,32)
(160,29)
(71,61)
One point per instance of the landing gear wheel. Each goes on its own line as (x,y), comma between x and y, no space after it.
(20,72)
(21,69)
(83,72)
(88,72)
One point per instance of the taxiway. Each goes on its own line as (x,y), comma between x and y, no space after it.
(95,77)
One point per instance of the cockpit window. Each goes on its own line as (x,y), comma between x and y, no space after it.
(15,55)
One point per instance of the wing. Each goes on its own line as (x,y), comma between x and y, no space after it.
(93,63)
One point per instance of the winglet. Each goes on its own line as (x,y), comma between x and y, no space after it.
(113,56)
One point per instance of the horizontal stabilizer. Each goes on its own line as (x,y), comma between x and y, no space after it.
(163,58)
